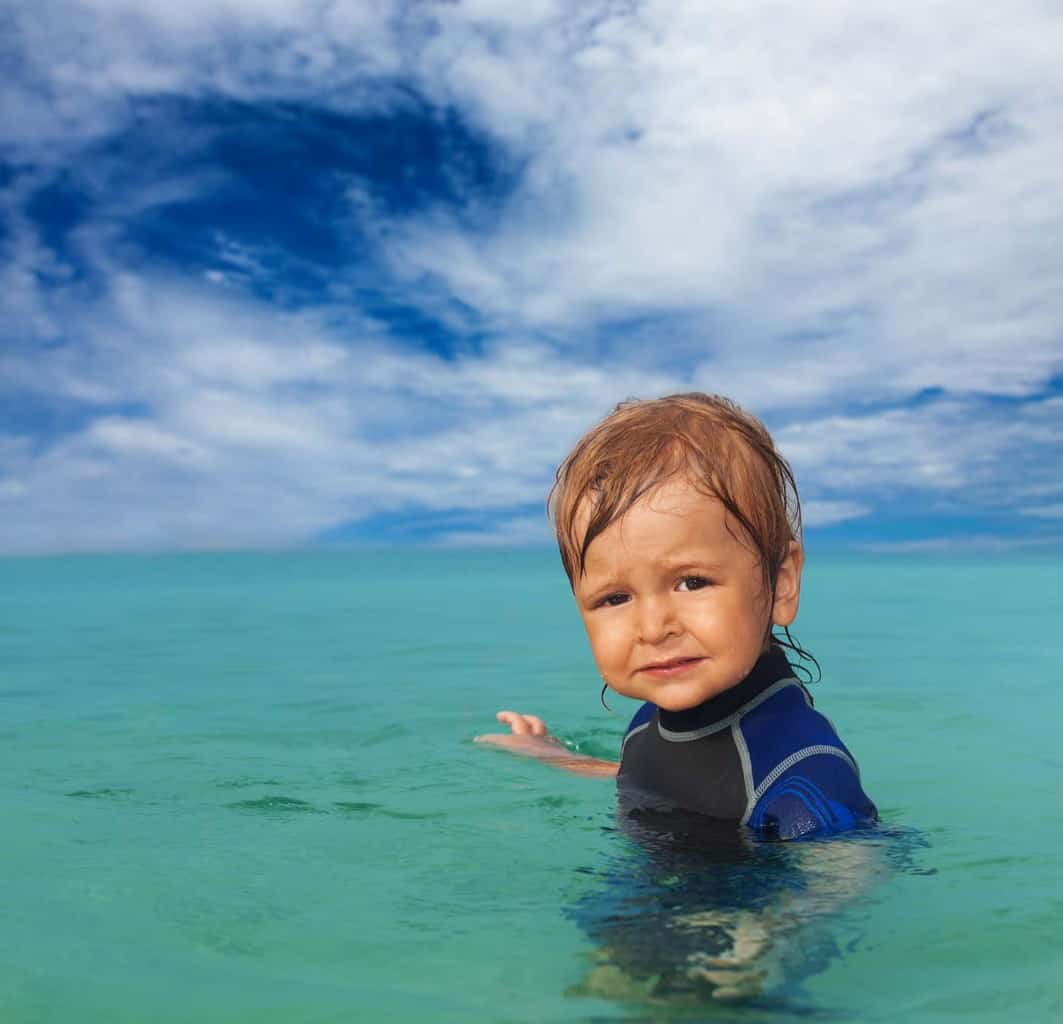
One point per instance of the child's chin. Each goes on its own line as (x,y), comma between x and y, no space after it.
(683,698)
(677,701)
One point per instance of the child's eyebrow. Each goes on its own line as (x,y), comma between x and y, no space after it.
(592,595)
(692,562)
(586,593)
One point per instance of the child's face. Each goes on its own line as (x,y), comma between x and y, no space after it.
(674,604)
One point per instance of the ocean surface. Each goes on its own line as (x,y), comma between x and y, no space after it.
(244,788)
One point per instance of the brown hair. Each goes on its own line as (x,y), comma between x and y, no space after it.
(722,450)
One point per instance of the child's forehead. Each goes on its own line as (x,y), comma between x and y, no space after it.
(674,509)
(672,493)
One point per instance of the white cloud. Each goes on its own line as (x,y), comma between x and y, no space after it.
(1044,511)
(857,178)
(520,531)
(959,454)
(82,60)
(976,544)
(255,427)
(829,513)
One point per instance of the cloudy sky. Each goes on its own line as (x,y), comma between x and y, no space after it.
(275,273)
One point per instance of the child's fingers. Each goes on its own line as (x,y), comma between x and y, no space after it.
(515,722)
(522,725)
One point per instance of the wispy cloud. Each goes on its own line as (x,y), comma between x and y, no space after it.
(1045,511)
(828,513)
(972,544)
(517,532)
(211,421)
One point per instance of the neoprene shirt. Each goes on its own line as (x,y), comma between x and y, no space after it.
(757,754)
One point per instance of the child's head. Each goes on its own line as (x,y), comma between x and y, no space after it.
(679,528)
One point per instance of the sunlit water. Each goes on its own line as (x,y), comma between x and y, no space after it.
(243,788)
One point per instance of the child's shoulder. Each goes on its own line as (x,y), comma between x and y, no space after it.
(783,721)
(802,776)
(642,717)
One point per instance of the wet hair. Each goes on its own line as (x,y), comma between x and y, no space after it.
(707,440)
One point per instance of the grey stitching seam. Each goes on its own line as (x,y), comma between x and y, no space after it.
(834,729)
(730,720)
(800,755)
(747,769)
(638,728)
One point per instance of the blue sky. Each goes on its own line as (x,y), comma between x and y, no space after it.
(277,273)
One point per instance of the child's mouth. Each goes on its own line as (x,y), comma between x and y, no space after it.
(673,667)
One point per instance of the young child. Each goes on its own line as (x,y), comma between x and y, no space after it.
(679,528)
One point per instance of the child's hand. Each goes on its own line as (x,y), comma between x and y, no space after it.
(528,735)
(749,968)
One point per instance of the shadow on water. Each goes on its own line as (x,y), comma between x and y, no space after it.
(365,809)
(696,919)
(276,806)
(102,793)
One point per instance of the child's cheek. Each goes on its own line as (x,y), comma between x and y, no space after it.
(607,637)
(619,641)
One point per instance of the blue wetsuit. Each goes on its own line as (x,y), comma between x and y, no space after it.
(757,754)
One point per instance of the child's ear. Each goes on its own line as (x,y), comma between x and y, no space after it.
(788,586)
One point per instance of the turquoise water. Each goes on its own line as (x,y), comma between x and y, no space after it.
(243,788)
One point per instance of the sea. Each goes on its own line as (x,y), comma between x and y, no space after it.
(245,788)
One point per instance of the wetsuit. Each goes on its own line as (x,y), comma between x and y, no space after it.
(757,754)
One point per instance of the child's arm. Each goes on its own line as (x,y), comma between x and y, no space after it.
(529,737)
(836,872)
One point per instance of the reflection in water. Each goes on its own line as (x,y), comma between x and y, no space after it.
(696,910)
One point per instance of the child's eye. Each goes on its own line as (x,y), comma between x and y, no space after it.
(694,582)
(612,600)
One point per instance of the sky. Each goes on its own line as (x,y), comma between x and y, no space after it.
(280,273)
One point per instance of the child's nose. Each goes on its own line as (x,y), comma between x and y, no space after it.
(657,620)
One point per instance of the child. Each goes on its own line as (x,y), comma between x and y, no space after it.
(679,528)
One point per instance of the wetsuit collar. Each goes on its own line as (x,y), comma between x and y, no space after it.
(770,668)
